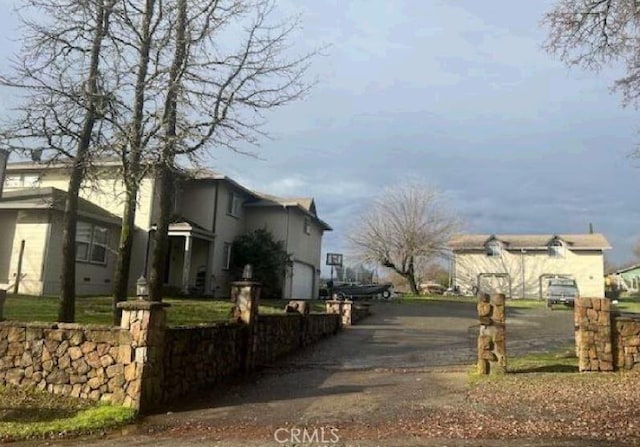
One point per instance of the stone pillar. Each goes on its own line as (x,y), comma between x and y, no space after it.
(246,296)
(186,264)
(146,321)
(492,347)
(3,297)
(342,308)
(592,318)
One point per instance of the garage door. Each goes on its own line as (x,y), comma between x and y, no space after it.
(302,281)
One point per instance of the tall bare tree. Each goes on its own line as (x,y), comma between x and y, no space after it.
(404,229)
(229,64)
(141,28)
(66,101)
(594,34)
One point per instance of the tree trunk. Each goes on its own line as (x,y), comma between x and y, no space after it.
(132,173)
(66,309)
(164,179)
(123,262)
(164,169)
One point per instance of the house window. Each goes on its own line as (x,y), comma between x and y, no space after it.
(493,248)
(226,256)
(22,181)
(556,249)
(307,226)
(91,243)
(233,205)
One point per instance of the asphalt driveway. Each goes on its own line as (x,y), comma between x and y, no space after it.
(405,358)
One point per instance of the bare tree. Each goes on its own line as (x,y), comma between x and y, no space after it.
(593,34)
(228,65)
(405,229)
(66,101)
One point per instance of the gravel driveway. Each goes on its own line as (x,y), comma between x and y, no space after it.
(405,359)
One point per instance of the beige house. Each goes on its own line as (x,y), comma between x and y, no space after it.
(521,265)
(211,210)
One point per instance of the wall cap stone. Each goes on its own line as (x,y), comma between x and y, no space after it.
(142,305)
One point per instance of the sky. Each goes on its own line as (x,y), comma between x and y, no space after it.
(459,94)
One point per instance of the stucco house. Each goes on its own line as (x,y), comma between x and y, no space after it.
(520,265)
(210,211)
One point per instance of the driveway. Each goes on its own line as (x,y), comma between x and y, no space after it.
(405,359)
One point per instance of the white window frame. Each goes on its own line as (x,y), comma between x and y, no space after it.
(234,204)
(307,225)
(92,243)
(556,249)
(226,256)
(493,249)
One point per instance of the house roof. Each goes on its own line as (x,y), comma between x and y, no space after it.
(305,204)
(590,241)
(53,199)
(627,269)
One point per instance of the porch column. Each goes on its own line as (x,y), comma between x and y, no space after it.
(186,266)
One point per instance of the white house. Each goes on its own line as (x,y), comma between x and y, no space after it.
(520,265)
(211,210)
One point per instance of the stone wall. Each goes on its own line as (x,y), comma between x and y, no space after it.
(195,356)
(142,363)
(198,356)
(626,342)
(594,343)
(278,335)
(94,363)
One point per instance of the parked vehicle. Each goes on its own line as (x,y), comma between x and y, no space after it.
(562,291)
(354,291)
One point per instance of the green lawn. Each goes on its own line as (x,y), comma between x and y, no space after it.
(30,413)
(628,304)
(97,310)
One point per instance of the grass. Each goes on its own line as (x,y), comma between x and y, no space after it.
(97,309)
(559,361)
(513,303)
(628,304)
(30,413)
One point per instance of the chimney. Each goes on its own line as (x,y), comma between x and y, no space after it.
(590,228)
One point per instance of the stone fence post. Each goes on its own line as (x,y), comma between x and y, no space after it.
(146,321)
(492,348)
(592,318)
(246,296)
(342,308)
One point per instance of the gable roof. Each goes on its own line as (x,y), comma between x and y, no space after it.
(305,204)
(627,269)
(590,241)
(53,199)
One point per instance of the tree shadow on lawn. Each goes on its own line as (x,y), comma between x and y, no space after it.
(34,414)
(557,368)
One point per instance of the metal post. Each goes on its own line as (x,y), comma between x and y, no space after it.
(16,287)
(522,252)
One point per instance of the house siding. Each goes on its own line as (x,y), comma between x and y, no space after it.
(202,202)
(586,267)
(8,225)
(287,224)
(91,279)
(31,227)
